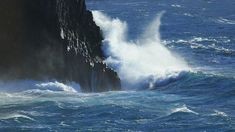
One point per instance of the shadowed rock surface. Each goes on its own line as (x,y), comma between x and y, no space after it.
(53,39)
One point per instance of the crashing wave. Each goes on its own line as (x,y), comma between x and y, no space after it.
(145,60)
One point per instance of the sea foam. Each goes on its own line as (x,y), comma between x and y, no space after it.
(143,60)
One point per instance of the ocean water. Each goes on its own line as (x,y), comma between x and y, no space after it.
(176,60)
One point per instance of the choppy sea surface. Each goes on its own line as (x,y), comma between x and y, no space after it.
(200,96)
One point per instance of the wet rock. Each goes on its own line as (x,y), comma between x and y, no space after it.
(53,39)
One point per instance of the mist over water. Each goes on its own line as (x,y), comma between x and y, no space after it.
(143,60)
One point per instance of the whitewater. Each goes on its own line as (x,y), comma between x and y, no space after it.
(176,62)
(138,60)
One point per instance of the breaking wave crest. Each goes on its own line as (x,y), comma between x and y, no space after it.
(143,61)
(183,109)
(30,86)
(56,86)
(15,116)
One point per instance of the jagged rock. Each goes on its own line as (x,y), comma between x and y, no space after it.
(53,39)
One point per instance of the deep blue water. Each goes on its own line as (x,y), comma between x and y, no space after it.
(202,32)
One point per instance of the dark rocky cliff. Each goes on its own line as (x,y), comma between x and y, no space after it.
(53,39)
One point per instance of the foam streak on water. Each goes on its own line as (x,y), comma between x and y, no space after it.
(143,58)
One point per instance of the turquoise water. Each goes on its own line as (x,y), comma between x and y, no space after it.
(200,97)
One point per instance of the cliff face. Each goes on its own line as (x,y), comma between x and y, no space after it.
(53,39)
